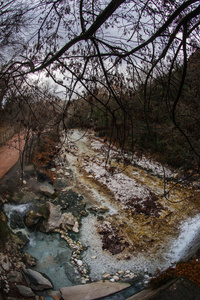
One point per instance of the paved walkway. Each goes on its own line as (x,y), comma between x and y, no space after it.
(9,154)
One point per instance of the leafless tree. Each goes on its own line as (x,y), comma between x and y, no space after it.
(32,114)
(114,46)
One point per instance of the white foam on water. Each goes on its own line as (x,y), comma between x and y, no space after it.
(187,242)
(21,208)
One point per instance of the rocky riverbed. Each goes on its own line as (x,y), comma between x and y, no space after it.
(117,220)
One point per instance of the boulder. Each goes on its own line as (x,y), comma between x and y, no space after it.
(16,221)
(25,291)
(106,276)
(32,218)
(55,217)
(4,261)
(91,291)
(68,221)
(22,236)
(55,294)
(47,189)
(100,209)
(36,280)
(31,261)
(15,277)
(76,227)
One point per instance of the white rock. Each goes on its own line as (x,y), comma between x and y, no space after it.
(131,276)
(66,188)
(76,227)
(126,276)
(47,189)
(79,262)
(120,272)
(83,280)
(106,276)
(55,217)
(4,262)
(116,278)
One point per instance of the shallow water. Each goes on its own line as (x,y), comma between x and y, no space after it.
(51,252)
(53,259)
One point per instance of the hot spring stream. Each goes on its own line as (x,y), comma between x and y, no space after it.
(148,242)
(53,254)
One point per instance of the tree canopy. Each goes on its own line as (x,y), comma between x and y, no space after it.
(109,47)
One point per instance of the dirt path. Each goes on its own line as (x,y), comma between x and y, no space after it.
(9,154)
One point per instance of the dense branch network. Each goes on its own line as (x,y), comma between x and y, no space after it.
(113,48)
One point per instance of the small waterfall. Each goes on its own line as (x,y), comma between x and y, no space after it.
(188,241)
(21,209)
(15,215)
